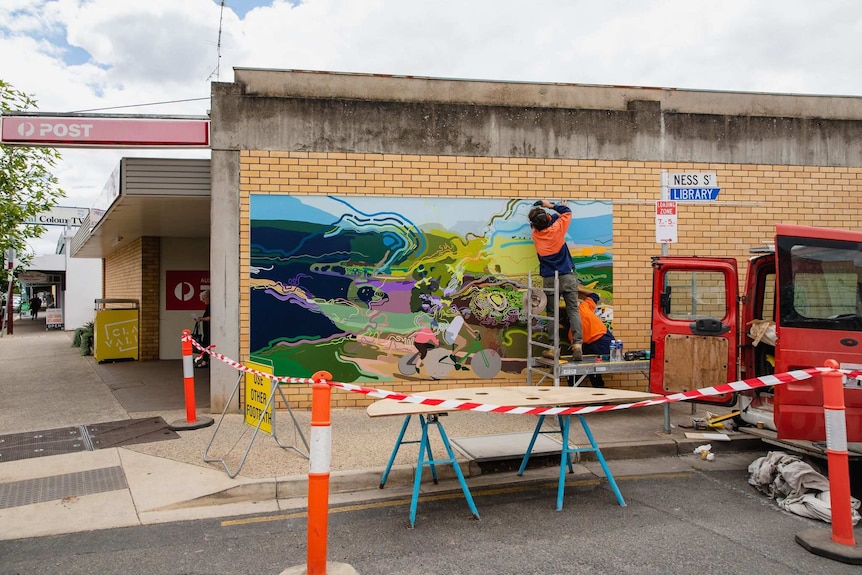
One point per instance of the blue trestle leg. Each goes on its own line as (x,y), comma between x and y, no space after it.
(566,455)
(398,443)
(536,432)
(425,447)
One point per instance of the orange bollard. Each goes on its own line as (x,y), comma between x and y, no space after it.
(842,545)
(320,454)
(189,377)
(192,421)
(837,456)
(318,473)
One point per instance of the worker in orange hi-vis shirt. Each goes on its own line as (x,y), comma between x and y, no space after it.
(597,337)
(549,237)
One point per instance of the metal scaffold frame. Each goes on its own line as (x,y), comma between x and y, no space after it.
(536,300)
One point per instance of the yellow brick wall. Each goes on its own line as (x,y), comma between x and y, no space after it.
(123,272)
(149,311)
(132,272)
(753,199)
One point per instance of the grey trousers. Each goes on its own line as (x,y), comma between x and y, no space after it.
(569,293)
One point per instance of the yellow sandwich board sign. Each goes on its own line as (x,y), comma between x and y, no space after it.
(258,391)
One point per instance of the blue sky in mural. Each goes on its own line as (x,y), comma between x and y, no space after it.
(594,218)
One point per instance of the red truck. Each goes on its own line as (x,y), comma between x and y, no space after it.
(801,305)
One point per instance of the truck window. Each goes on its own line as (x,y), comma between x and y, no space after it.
(696,295)
(820,283)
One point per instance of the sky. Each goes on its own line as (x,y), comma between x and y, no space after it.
(161,56)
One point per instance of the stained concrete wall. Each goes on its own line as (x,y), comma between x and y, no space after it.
(268,110)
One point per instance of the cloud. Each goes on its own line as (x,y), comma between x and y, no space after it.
(75,55)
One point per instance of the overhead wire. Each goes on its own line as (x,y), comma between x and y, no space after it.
(139,105)
(214,73)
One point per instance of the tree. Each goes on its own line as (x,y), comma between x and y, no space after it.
(27,186)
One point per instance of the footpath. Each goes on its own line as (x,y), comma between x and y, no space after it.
(87,484)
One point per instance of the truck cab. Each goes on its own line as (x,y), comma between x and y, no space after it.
(801,305)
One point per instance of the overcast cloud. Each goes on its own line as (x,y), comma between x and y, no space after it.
(77,55)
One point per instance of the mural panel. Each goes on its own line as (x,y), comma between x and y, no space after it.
(374,289)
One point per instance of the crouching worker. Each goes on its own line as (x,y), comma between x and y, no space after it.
(597,337)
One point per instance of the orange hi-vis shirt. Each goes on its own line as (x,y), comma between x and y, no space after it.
(551,244)
(592,326)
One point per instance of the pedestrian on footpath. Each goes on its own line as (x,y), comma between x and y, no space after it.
(35,306)
(549,238)
(205,321)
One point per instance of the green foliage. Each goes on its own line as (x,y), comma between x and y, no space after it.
(83,338)
(27,185)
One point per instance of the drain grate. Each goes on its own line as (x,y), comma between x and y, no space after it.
(129,432)
(84,438)
(42,443)
(41,489)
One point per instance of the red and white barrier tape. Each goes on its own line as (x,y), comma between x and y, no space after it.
(449,404)
(240,367)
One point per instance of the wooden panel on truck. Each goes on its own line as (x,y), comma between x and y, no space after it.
(683,373)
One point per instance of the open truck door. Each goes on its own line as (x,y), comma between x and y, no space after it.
(819,317)
(694,325)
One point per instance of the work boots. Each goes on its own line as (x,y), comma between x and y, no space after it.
(577,352)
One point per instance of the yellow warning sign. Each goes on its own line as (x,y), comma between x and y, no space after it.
(258,390)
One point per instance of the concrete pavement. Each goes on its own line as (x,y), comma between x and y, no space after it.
(46,384)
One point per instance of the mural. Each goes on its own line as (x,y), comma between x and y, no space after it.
(374,289)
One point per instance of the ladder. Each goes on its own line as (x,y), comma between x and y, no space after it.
(546,368)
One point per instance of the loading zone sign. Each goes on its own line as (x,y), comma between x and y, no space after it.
(665,222)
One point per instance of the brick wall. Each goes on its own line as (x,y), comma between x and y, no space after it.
(149,311)
(122,273)
(132,272)
(753,199)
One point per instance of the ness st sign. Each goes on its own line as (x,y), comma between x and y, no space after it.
(95,131)
(693,187)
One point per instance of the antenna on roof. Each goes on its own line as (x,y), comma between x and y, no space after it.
(218,45)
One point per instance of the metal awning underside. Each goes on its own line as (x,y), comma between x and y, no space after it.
(147,197)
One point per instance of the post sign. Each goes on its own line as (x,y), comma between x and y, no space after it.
(665,222)
(103,131)
(183,289)
(692,187)
(258,390)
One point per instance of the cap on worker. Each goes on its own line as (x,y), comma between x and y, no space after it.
(594,296)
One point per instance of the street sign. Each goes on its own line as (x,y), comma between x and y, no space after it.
(692,187)
(665,222)
(692,180)
(693,194)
